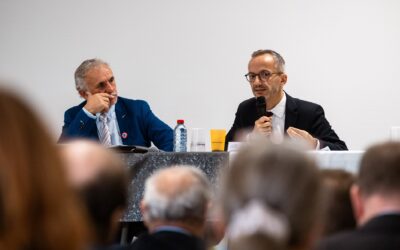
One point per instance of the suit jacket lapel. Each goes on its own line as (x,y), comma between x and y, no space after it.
(123,125)
(290,112)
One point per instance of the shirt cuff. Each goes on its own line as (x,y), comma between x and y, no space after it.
(89,114)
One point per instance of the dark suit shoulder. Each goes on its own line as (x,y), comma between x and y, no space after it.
(251,102)
(337,241)
(76,108)
(307,112)
(381,232)
(303,105)
(166,240)
(133,103)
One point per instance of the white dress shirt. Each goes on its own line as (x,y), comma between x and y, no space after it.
(111,122)
(278,120)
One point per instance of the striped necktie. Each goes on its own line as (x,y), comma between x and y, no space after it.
(105,136)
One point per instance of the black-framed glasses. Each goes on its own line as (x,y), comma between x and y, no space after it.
(263,76)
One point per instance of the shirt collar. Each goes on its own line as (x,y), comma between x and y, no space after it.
(110,113)
(279,109)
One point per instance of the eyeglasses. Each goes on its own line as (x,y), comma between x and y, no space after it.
(263,76)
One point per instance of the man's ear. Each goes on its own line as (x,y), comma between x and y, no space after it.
(143,207)
(283,78)
(143,210)
(83,94)
(357,202)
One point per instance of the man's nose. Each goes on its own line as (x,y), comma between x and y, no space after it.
(257,80)
(109,87)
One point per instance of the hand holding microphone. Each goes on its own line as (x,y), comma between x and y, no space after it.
(263,124)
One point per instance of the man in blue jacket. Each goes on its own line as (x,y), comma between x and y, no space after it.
(111,119)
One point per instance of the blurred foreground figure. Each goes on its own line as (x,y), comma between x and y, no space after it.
(101,180)
(271,198)
(37,208)
(338,212)
(174,209)
(376,201)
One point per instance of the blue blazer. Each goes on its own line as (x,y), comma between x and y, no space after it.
(137,125)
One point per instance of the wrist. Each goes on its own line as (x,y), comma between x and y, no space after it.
(90,110)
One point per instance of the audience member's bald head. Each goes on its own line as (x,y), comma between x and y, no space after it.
(100,178)
(176,195)
(86,160)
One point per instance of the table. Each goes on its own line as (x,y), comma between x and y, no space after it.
(142,166)
(347,160)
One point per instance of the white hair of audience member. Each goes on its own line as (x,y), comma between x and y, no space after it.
(256,217)
(272,190)
(186,200)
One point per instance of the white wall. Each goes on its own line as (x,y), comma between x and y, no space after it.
(342,54)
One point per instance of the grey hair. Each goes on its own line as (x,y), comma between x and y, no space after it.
(81,71)
(185,203)
(278,59)
(279,176)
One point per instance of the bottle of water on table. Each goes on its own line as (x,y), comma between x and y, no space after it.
(180,136)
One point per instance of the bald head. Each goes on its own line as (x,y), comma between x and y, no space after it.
(86,160)
(174,181)
(100,179)
(178,193)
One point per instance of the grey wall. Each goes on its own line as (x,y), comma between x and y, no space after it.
(187,58)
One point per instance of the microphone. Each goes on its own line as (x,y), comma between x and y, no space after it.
(261,105)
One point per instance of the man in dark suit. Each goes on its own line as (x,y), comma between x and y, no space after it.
(376,203)
(111,119)
(297,118)
(174,208)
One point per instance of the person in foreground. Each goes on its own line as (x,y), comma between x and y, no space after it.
(376,203)
(287,115)
(174,209)
(109,118)
(271,198)
(101,181)
(338,211)
(37,208)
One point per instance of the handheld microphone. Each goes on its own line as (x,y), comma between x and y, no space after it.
(261,105)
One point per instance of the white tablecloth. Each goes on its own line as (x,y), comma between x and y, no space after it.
(348,160)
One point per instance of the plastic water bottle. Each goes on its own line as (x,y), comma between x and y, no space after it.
(180,136)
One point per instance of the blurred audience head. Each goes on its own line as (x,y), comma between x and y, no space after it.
(377,189)
(256,241)
(100,179)
(338,212)
(37,207)
(272,190)
(176,196)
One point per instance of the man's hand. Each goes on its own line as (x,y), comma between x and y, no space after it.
(99,102)
(303,135)
(263,125)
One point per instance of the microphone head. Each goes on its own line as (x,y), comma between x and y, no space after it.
(261,105)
